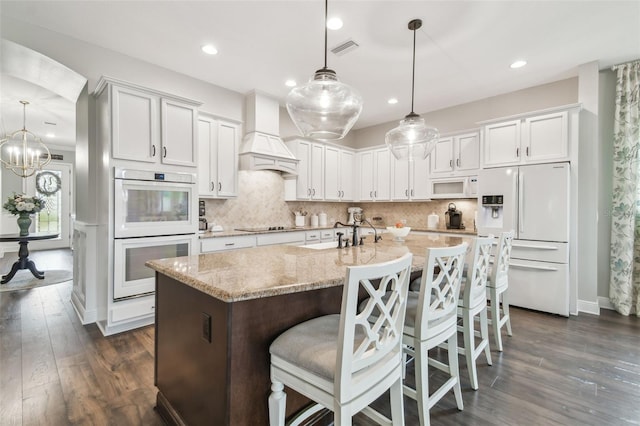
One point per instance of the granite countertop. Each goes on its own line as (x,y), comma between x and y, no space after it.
(235,232)
(259,272)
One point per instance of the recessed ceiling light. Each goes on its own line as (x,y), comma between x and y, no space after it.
(518,64)
(51,135)
(210,49)
(290,83)
(392,101)
(334,23)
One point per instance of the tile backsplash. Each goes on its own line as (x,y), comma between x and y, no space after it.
(260,202)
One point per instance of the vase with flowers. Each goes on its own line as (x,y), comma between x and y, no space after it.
(23,206)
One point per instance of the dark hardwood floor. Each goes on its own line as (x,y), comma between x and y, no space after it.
(583,370)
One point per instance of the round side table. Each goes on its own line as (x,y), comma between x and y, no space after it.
(23,261)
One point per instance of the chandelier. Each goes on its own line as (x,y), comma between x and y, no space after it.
(324,108)
(22,152)
(412,138)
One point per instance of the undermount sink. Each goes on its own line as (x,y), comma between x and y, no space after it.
(322,246)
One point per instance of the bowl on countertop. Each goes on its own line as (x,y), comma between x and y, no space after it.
(399,233)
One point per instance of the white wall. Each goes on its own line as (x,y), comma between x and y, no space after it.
(462,117)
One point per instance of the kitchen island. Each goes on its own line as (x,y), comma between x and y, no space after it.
(217,314)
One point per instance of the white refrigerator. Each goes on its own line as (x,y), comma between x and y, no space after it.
(533,201)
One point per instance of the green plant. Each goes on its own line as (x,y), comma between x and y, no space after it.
(21,203)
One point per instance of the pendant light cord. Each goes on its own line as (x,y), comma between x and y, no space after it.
(413,72)
(326,15)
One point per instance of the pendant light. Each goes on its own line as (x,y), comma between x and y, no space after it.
(324,108)
(22,152)
(412,138)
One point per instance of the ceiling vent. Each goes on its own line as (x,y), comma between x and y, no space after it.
(345,47)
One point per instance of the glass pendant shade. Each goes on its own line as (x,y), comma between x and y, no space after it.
(324,108)
(412,139)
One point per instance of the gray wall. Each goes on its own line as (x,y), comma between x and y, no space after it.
(466,116)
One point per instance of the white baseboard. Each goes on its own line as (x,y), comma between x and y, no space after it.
(589,307)
(605,303)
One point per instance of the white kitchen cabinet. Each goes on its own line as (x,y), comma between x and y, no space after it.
(146,125)
(297,238)
(310,179)
(456,155)
(410,179)
(375,175)
(218,142)
(338,174)
(536,139)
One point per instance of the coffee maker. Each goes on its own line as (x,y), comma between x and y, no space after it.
(453,217)
(202,220)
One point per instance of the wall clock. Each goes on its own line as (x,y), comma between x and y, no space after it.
(48,183)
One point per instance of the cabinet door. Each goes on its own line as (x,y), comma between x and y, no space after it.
(346,175)
(502,143)
(135,127)
(332,174)
(400,184)
(316,171)
(302,150)
(366,175)
(442,157)
(420,180)
(382,190)
(468,152)
(227,159)
(206,158)
(178,133)
(545,137)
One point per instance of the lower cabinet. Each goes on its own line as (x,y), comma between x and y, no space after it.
(208,245)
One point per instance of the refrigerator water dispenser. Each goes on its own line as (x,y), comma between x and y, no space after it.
(492,210)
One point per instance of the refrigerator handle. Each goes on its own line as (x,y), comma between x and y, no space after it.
(521,202)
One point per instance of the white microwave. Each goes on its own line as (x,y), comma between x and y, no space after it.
(454,187)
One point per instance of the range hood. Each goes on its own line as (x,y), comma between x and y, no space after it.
(262,148)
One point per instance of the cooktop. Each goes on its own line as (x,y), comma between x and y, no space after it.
(266,229)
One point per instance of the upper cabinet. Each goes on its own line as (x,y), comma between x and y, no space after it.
(375,175)
(456,155)
(535,139)
(338,174)
(310,179)
(147,126)
(218,143)
(410,179)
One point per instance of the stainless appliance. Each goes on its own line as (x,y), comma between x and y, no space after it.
(453,217)
(154,217)
(203,225)
(534,202)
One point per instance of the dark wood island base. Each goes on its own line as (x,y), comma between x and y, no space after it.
(224,381)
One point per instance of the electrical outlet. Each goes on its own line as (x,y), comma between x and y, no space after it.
(206,327)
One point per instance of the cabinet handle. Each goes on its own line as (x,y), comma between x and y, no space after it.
(229,244)
(213,186)
(153,150)
(164,152)
(527,151)
(450,163)
(370,194)
(412,192)
(219,186)
(375,194)
(406,192)
(517,152)
(314,192)
(309,191)
(457,162)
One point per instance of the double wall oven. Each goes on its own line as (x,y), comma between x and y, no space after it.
(155,217)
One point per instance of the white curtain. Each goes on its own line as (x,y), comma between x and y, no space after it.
(624,285)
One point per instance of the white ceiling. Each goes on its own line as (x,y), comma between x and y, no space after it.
(464,48)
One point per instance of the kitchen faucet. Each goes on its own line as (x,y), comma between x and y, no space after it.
(376,238)
(354,239)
